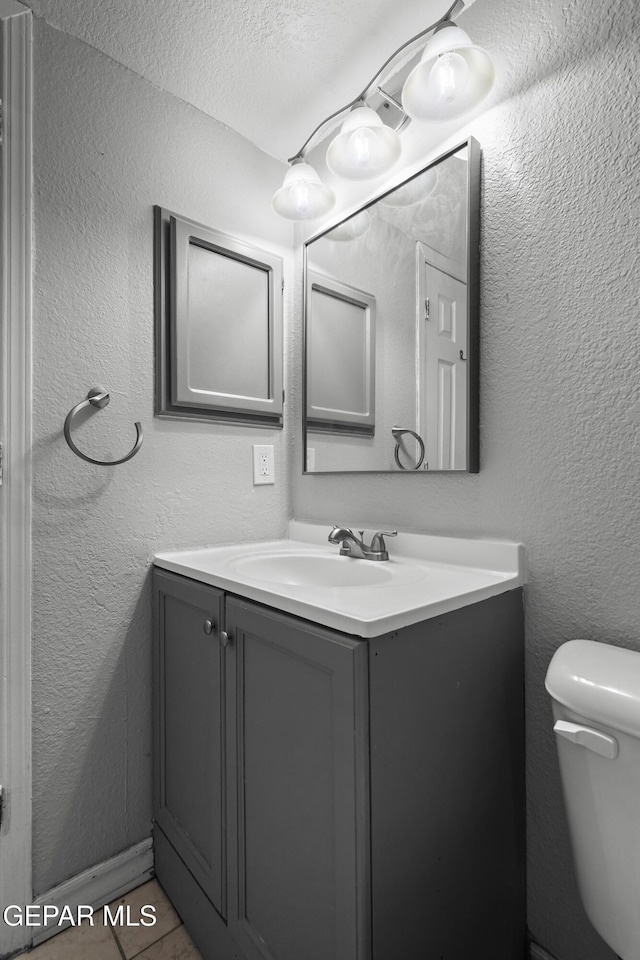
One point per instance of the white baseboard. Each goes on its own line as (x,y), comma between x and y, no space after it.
(100,884)
(537,953)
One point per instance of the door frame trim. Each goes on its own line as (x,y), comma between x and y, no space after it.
(15,432)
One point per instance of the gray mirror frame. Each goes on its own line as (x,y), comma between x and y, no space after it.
(474,156)
(221,408)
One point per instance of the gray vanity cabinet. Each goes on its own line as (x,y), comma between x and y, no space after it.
(189,748)
(260,794)
(323,797)
(296,738)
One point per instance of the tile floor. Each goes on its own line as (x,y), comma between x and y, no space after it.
(166,940)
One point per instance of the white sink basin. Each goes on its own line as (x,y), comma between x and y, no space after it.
(301,569)
(306,576)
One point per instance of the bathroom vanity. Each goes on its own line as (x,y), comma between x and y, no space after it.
(335,785)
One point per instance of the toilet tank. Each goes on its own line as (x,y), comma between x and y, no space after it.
(595,691)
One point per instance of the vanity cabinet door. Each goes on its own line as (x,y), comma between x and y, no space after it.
(298,793)
(189,775)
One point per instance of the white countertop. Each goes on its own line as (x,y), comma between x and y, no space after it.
(424,577)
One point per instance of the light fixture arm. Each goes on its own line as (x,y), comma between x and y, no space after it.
(373,85)
(387,96)
(404,119)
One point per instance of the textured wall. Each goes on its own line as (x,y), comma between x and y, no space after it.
(560,405)
(109,145)
(235,59)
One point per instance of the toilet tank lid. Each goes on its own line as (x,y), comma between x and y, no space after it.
(599,681)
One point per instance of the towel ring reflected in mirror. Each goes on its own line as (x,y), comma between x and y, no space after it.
(399,433)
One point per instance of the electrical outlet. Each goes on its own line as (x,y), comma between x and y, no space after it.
(263,464)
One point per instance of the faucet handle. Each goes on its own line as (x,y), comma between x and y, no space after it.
(378,543)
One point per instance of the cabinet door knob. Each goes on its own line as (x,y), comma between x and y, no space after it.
(207,626)
(224,638)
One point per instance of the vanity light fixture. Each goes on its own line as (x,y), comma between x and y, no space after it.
(365,147)
(451,79)
(303,195)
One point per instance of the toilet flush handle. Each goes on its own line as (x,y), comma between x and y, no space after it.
(594,740)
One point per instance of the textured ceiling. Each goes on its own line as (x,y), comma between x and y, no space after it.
(270,69)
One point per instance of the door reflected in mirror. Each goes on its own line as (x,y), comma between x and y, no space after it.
(391,328)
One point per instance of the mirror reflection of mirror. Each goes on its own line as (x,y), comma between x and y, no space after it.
(391,328)
(341,382)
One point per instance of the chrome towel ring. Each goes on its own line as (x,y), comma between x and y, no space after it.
(398,433)
(98,398)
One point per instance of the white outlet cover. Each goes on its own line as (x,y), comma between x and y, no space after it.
(263,464)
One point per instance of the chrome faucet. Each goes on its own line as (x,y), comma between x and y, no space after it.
(353,546)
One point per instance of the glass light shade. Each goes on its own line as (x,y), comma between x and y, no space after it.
(364,148)
(452,78)
(414,191)
(303,195)
(354,227)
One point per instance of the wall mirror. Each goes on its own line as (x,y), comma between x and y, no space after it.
(391,328)
(218,325)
